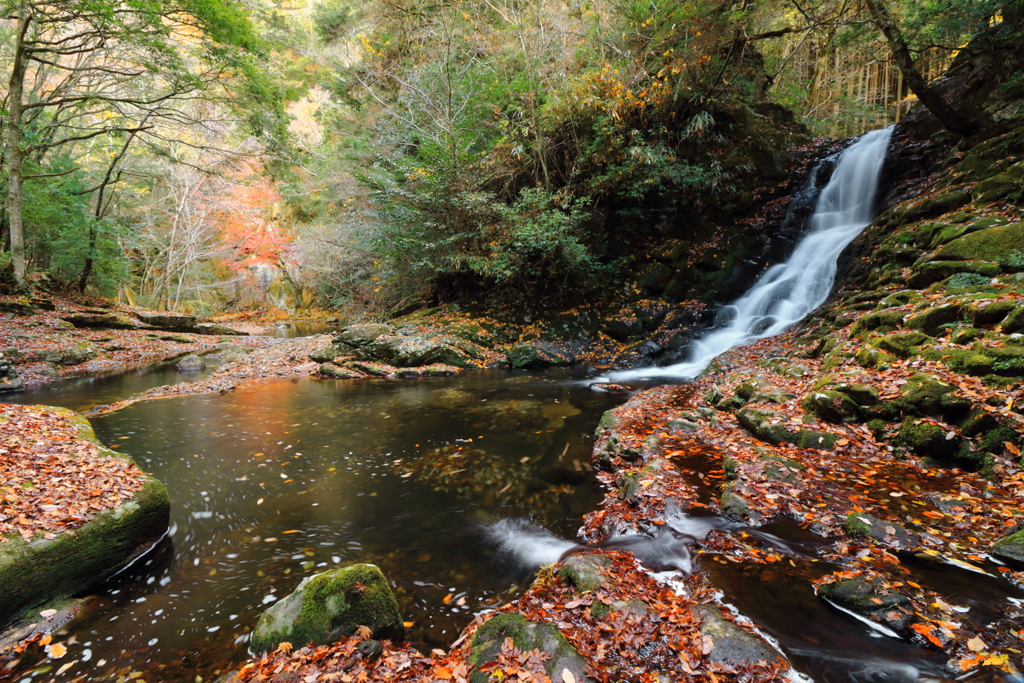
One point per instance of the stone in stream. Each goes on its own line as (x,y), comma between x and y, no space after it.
(526,635)
(873,600)
(864,525)
(362,334)
(1010,548)
(731,645)
(190,363)
(330,606)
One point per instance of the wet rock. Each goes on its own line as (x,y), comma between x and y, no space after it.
(337,372)
(532,356)
(731,645)
(870,599)
(168,321)
(585,572)
(330,606)
(81,352)
(866,526)
(931,320)
(371,369)
(190,363)
(526,635)
(362,334)
(1010,548)
(9,380)
(831,406)
(780,469)
(734,505)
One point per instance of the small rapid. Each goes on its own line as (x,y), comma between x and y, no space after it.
(788,291)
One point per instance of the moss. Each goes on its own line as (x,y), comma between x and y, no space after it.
(987,245)
(900,298)
(747,389)
(901,345)
(329,606)
(966,335)
(874,358)
(526,635)
(884,320)
(599,610)
(877,426)
(994,441)
(780,469)
(928,273)
(835,360)
(1014,322)
(1010,548)
(585,572)
(991,314)
(856,526)
(823,441)
(963,361)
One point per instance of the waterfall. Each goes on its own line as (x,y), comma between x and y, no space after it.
(786,292)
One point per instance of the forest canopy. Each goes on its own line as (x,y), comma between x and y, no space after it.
(376,156)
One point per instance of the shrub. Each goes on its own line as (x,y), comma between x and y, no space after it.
(961,280)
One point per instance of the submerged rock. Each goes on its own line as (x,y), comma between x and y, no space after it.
(865,525)
(871,599)
(327,607)
(1010,548)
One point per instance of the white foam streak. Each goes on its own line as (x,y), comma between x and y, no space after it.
(530,545)
(787,292)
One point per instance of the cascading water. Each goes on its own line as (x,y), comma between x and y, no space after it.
(787,292)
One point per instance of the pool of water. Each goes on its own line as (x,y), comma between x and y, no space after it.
(275,482)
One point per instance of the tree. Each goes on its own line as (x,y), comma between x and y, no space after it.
(85,69)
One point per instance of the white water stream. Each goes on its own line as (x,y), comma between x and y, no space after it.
(786,292)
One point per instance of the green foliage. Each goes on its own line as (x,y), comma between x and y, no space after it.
(961,280)
(1015,260)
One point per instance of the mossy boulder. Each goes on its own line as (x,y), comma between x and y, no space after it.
(329,353)
(168,321)
(987,245)
(930,272)
(904,296)
(752,386)
(932,441)
(1014,322)
(362,334)
(924,394)
(1010,548)
(413,351)
(766,425)
(966,335)
(883,320)
(874,358)
(863,395)
(735,506)
(930,321)
(831,406)
(585,572)
(330,606)
(337,372)
(999,186)
(218,329)
(901,345)
(779,468)
(38,570)
(526,635)
(990,313)
(532,356)
(733,647)
(190,363)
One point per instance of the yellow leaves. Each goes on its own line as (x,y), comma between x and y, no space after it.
(284,648)
(56,650)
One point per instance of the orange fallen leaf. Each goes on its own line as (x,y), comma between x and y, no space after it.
(443,673)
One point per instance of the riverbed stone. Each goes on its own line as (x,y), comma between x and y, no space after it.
(731,645)
(767,425)
(1010,548)
(863,525)
(414,351)
(329,353)
(102,320)
(526,635)
(329,606)
(585,572)
(190,363)
(218,329)
(870,599)
(9,380)
(39,570)
(337,372)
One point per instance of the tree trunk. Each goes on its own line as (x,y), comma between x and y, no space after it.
(15,153)
(949,117)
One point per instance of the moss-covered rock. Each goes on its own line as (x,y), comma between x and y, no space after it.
(990,313)
(862,394)
(987,245)
(585,572)
(1014,322)
(901,345)
(831,406)
(779,468)
(883,321)
(931,441)
(330,606)
(930,321)
(1010,548)
(766,425)
(732,646)
(874,358)
(336,372)
(863,525)
(930,272)
(526,635)
(532,356)
(330,352)
(904,296)
(414,351)
(38,570)
(361,334)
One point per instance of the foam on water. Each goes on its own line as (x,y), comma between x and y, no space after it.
(787,292)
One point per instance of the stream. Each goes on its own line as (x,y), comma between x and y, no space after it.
(273,483)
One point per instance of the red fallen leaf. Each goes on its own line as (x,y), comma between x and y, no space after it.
(928,632)
(488,667)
